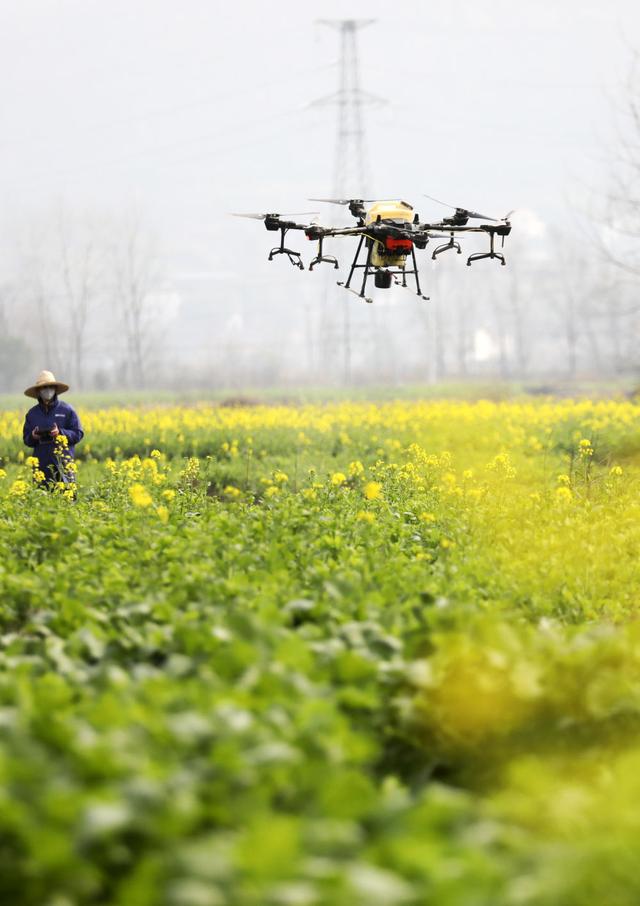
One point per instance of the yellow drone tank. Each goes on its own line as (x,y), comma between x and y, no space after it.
(390,252)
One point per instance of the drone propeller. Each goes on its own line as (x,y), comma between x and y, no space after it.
(264,216)
(474,215)
(341,200)
(345,201)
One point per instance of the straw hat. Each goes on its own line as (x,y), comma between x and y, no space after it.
(45,379)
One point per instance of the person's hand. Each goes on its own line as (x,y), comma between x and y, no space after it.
(35,434)
(55,430)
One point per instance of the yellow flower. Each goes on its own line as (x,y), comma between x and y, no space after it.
(272,491)
(139,495)
(427,517)
(280,477)
(32,461)
(372,490)
(163,514)
(356,468)
(585,447)
(616,471)
(501,464)
(365,517)
(563,494)
(338,478)
(155,454)
(191,471)
(3,474)
(19,488)
(232,491)
(169,494)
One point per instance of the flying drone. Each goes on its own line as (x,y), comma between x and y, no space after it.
(389,232)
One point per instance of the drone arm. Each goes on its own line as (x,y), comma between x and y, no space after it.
(292,225)
(447,228)
(341,231)
(501,229)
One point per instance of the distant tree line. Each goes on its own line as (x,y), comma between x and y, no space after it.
(76,297)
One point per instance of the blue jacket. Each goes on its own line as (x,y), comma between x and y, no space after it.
(44,417)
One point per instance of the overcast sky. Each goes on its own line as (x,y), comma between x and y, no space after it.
(191,109)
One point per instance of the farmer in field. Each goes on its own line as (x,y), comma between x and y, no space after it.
(53,429)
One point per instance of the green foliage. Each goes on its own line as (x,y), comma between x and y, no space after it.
(389,659)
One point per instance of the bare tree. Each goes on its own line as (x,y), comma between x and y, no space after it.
(36,292)
(462,307)
(81,269)
(574,282)
(617,233)
(518,298)
(135,273)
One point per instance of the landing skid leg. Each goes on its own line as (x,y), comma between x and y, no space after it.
(415,272)
(354,264)
(413,292)
(320,257)
(355,293)
(490,254)
(294,257)
(347,283)
(366,271)
(403,282)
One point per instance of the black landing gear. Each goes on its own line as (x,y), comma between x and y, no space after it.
(320,257)
(294,257)
(490,254)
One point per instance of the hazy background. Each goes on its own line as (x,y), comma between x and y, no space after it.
(131,129)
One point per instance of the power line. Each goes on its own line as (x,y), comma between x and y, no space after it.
(145,154)
(170,110)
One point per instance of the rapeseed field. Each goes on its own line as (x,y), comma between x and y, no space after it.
(351,654)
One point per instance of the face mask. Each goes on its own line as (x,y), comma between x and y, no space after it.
(47,394)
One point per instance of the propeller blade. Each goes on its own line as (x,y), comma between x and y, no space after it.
(437,201)
(363,200)
(332,200)
(291,214)
(474,215)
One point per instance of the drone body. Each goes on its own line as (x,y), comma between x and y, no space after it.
(389,232)
(391,251)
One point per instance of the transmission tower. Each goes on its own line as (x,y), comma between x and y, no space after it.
(350,168)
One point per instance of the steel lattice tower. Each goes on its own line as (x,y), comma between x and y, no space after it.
(350,168)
